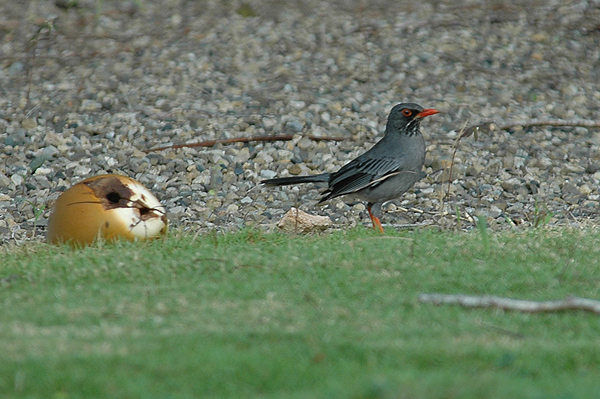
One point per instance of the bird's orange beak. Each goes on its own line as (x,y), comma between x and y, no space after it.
(427,112)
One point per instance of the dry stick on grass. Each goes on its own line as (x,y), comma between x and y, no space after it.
(211,143)
(570,303)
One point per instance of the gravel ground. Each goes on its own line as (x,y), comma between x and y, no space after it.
(90,95)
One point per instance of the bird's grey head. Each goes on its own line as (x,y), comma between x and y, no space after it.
(405,118)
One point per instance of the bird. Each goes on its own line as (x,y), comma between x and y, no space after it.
(383,173)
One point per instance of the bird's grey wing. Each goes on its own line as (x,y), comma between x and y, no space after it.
(361,173)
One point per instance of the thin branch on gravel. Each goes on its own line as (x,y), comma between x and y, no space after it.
(463,133)
(569,303)
(211,143)
(491,126)
(46,26)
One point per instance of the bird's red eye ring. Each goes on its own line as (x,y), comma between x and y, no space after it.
(406,112)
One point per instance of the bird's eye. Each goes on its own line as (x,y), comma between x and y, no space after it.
(406,112)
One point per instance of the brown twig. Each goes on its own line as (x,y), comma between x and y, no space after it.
(47,26)
(464,132)
(491,126)
(211,143)
(569,303)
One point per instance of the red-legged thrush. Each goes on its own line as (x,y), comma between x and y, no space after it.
(383,173)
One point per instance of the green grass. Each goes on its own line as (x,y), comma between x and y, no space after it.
(256,315)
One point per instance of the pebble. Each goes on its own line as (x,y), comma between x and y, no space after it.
(16,68)
(495,212)
(295,169)
(294,126)
(28,123)
(17,179)
(89,106)
(176,209)
(268,174)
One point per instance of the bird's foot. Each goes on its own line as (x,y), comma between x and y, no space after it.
(376,222)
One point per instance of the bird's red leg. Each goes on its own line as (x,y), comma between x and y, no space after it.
(375,220)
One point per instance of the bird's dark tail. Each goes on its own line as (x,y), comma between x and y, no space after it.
(285,181)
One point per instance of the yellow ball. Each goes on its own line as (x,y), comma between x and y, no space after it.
(106,207)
